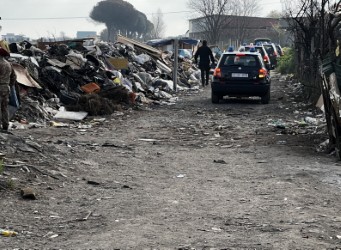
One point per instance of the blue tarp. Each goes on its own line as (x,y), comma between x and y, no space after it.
(162,42)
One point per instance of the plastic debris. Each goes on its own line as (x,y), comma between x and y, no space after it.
(311,120)
(7,233)
(278,124)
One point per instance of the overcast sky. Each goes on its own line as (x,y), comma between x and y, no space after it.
(42,18)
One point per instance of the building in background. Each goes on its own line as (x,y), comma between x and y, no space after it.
(244,29)
(12,38)
(86,34)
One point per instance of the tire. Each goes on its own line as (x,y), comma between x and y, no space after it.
(214,97)
(265,99)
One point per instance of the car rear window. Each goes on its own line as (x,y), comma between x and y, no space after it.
(239,60)
(269,48)
(258,49)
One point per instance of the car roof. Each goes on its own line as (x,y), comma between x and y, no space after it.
(269,44)
(240,52)
(253,46)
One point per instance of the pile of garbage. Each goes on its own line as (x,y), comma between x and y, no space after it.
(95,79)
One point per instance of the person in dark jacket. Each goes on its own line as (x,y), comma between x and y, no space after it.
(206,56)
(7,79)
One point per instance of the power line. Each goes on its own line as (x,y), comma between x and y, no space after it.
(79,17)
(86,17)
(173,12)
(40,18)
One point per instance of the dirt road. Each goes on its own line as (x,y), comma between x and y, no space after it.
(188,176)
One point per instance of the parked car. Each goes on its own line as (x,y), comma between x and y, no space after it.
(261,50)
(240,74)
(272,52)
(217,52)
(185,53)
(262,40)
(279,50)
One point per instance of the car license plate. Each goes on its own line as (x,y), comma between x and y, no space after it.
(239,75)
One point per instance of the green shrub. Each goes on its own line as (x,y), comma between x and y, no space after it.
(286,63)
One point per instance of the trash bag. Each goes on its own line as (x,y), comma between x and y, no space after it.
(68,98)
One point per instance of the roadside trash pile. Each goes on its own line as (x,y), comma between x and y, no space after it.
(72,80)
(306,125)
(305,119)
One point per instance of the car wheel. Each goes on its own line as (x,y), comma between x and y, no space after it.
(214,97)
(265,99)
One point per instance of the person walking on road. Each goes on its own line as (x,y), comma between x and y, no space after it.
(206,55)
(7,79)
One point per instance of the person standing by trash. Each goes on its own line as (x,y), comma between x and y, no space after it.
(7,79)
(206,55)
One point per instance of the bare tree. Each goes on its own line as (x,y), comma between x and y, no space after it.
(274,14)
(159,24)
(313,24)
(212,17)
(242,9)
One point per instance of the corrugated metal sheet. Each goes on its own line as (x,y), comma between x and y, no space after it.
(23,77)
(148,49)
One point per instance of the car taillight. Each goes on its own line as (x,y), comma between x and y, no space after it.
(275,53)
(217,73)
(262,73)
(266,59)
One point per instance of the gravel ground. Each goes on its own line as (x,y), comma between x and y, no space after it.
(188,176)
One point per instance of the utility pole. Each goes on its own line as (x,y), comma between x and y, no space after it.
(175,68)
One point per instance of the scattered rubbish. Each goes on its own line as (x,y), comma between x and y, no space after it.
(216,229)
(278,124)
(86,217)
(181,176)
(50,235)
(95,183)
(302,124)
(281,143)
(69,115)
(323,146)
(98,120)
(2,156)
(311,120)
(59,124)
(220,161)
(28,193)
(149,140)
(7,233)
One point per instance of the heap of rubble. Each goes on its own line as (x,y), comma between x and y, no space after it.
(98,79)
